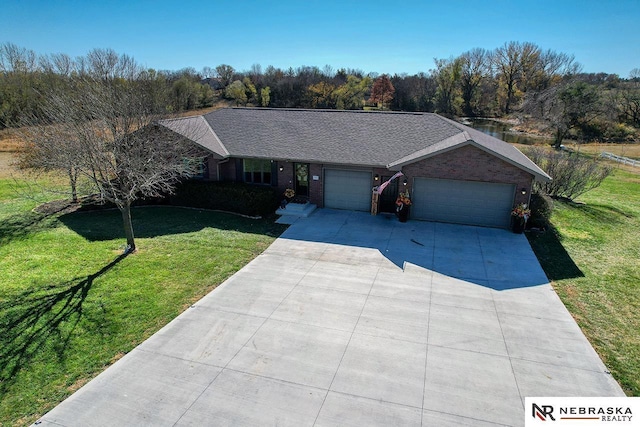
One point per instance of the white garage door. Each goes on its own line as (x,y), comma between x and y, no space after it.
(345,189)
(462,202)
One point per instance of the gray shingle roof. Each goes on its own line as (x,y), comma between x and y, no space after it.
(198,130)
(361,138)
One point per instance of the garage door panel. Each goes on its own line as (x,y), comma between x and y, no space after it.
(347,189)
(462,202)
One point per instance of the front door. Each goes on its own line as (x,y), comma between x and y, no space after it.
(301,179)
(387,201)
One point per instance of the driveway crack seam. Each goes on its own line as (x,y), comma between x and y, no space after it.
(199,396)
(506,347)
(426,355)
(224,368)
(346,348)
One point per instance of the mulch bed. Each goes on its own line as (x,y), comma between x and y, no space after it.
(65,206)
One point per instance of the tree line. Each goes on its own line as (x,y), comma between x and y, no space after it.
(517,78)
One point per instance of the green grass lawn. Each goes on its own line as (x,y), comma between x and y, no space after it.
(70,304)
(593,259)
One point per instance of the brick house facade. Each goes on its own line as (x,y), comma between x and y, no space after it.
(471,164)
(350,152)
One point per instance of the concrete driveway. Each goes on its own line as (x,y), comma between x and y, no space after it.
(349,319)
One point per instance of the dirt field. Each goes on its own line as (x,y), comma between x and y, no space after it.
(5,164)
(9,140)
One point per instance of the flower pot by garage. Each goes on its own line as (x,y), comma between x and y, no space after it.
(402,206)
(519,216)
(517,224)
(402,212)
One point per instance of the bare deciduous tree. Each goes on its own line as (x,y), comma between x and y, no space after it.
(225,74)
(50,148)
(17,59)
(514,63)
(564,107)
(552,66)
(474,69)
(58,63)
(103,126)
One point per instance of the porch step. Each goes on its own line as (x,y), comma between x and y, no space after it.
(296,210)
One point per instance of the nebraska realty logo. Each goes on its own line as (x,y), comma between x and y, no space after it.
(582,411)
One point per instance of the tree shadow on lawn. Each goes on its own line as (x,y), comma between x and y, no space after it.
(154,221)
(17,227)
(36,319)
(553,257)
(601,213)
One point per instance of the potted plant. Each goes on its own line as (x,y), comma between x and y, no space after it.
(402,206)
(519,217)
(288,194)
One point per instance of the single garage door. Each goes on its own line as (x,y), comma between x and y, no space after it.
(462,202)
(346,189)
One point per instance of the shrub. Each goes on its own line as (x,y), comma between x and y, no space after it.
(541,207)
(620,132)
(573,174)
(235,197)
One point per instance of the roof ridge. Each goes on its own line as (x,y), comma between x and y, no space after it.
(326,110)
(215,135)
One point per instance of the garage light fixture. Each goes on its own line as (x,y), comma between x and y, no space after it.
(281,168)
(523,191)
(376,177)
(405,181)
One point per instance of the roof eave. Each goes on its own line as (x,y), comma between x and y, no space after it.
(457,141)
(199,138)
(539,174)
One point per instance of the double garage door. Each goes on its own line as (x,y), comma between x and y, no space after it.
(347,189)
(462,202)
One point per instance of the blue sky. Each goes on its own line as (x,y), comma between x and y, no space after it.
(381,36)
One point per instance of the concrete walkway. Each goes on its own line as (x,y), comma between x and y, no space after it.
(354,320)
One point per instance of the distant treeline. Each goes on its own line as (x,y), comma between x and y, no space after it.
(516,78)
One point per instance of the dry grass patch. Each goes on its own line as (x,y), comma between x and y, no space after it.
(10,140)
(6,167)
(626,150)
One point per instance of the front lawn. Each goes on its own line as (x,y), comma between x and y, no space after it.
(593,259)
(70,304)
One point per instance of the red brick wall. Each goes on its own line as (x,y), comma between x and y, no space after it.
(227,170)
(285,180)
(285,177)
(469,163)
(212,169)
(316,187)
(466,163)
(380,172)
